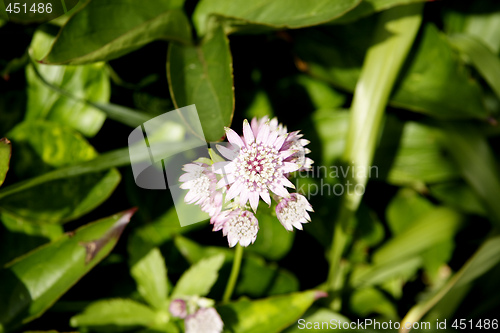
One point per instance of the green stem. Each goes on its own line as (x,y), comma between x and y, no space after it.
(394,35)
(238,255)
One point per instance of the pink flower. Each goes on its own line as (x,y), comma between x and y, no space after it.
(201,183)
(259,166)
(178,308)
(238,225)
(293,141)
(292,212)
(205,320)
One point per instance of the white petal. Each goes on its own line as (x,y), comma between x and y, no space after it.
(247,133)
(234,138)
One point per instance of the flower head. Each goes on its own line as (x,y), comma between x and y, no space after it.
(292,212)
(201,183)
(178,308)
(238,225)
(205,320)
(259,166)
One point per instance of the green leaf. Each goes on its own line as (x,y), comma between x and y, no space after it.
(199,279)
(203,75)
(274,241)
(269,315)
(5,152)
(377,274)
(433,82)
(367,7)
(432,228)
(367,301)
(420,159)
(32,283)
(486,62)
(138,25)
(261,15)
(258,279)
(406,208)
(460,196)
(20,237)
(150,274)
(43,146)
(322,95)
(477,19)
(90,82)
(476,162)
(117,314)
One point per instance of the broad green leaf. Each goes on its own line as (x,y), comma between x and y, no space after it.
(150,274)
(31,284)
(270,315)
(122,28)
(406,208)
(118,314)
(274,241)
(41,147)
(419,158)
(478,19)
(448,91)
(19,237)
(430,229)
(481,57)
(367,7)
(322,95)
(377,274)
(476,162)
(88,82)
(460,196)
(203,75)
(437,84)
(5,152)
(199,279)
(317,315)
(261,15)
(434,81)
(367,301)
(256,279)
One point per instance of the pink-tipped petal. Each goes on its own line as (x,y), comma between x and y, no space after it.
(234,138)
(247,133)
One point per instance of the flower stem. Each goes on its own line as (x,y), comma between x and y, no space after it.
(238,255)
